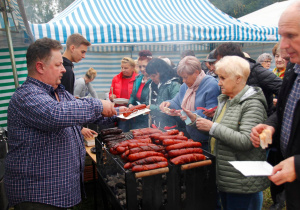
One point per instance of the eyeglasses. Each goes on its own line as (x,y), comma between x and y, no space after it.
(266,61)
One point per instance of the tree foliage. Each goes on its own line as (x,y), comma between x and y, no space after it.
(239,8)
(42,11)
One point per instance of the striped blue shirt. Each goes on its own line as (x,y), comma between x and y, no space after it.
(288,114)
(46,155)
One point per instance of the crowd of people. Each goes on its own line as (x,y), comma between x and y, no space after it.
(47,114)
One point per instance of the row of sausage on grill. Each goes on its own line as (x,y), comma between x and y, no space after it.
(151,148)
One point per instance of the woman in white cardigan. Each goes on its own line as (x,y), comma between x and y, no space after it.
(83,85)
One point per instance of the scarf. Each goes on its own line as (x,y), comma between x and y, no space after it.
(188,101)
(279,73)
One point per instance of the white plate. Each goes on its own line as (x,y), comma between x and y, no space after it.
(121,101)
(137,113)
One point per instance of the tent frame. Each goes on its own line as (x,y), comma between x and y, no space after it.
(9,39)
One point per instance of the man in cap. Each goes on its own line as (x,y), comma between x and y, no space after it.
(210,63)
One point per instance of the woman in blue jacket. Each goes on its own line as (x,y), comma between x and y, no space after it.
(198,90)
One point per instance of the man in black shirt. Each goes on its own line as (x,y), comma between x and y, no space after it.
(76,50)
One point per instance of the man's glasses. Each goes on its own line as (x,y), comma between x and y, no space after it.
(267,61)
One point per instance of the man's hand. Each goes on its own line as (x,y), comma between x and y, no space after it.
(123,109)
(112,97)
(108,109)
(284,172)
(88,133)
(163,105)
(255,131)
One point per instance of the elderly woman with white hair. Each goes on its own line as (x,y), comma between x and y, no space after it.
(265,60)
(240,107)
(197,90)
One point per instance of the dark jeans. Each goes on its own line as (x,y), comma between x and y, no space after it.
(274,157)
(234,201)
(36,206)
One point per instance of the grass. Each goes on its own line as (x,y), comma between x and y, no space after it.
(268,200)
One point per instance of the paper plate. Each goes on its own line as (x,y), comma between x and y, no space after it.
(137,113)
(121,101)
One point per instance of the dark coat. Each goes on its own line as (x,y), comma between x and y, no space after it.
(293,147)
(133,99)
(141,121)
(167,91)
(68,79)
(266,80)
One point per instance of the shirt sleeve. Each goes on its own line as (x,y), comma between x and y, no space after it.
(79,86)
(45,113)
(92,91)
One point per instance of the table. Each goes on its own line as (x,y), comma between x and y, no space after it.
(92,155)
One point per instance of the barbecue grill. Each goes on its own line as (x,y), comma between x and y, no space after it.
(176,187)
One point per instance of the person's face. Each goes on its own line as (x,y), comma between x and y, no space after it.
(285,56)
(189,79)
(266,63)
(155,78)
(227,83)
(212,66)
(87,80)
(142,66)
(279,61)
(53,69)
(289,29)
(127,69)
(78,53)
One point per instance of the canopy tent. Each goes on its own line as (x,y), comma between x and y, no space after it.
(152,21)
(267,16)
(15,36)
(119,28)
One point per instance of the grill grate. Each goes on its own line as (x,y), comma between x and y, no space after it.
(128,135)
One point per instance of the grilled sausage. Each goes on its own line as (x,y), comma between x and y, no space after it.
(110,131)
(167,142)
(145,131)
(178,152)
(121,149)
(125,143)
(133,145)
(140,155)
(113,137)
(187,158)
(183,145)
(153,147)
(162,137)
(172,132)
(144,161)
(180,133)
(139,168)
(134,109)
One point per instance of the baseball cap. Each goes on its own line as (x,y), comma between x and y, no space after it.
(211,57)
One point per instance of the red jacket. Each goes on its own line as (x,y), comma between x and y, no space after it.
(116,84)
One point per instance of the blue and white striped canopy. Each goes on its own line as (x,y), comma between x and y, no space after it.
(107,22)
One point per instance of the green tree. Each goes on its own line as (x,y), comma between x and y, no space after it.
(239,8)
(42,11)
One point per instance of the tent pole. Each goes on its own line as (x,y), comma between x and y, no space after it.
(10,44)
